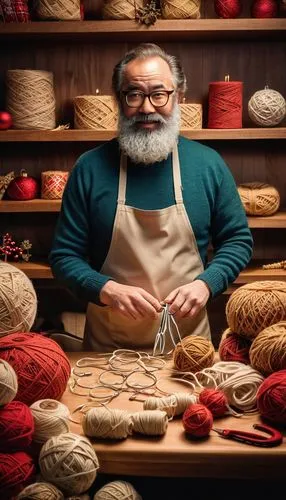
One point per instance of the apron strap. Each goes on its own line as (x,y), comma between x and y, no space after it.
(122,180)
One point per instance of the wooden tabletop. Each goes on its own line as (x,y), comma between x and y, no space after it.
(174,454)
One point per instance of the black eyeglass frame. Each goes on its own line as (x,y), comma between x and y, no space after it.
(144,95)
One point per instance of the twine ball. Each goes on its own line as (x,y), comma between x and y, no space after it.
(107,423)
(197,420)
(16,427)
(268,350)
(17,470)
(259,198)
(119,490)
(118,9)
(18,300)
(70,462)
(180,9)
(95,112)
(42,367)
(8,383)
(271,398)
(193,354)
(267,107)
(51,419)
(63,10)
(215,400)
(255,306)
(233,347)
(40,491)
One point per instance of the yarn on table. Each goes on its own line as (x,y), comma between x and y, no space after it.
(42,367)
(119,490)
(197,420)
(51,419)
(268,350)
(271,398)
(174,404)
(16,427)
(40,491)
(107,423)
(193,354)
(267,107)
(17,470)
(234,347)
(259,198)
(215,400)
(18,300)
(8,383)
(150,422)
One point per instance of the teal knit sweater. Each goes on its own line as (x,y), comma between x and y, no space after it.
(84,228)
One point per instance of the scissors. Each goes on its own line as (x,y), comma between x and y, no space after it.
(274,437)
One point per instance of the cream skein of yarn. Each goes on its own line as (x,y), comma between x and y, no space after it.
(107,423)
(150,422)
(51,419)
(173,405)
(8,383)
(40,491)
(119,490)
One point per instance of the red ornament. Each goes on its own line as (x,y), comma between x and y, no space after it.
(227,8)
(215,400)
(271,398)
(264,8)
(5,120)
(197,420)
(23,187)
(16,427)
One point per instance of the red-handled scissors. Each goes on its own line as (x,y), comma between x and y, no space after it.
(274,437)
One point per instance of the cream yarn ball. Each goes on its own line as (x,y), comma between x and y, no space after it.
(8,383)
(259,198)
(40,491)
(51,418)
(70,462)
(18,300)
(121,490)
(267,107)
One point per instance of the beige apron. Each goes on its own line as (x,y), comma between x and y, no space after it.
(152,249)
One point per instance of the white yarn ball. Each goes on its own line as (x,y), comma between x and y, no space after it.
(8,383)
(51,418)
(267,107)
(121,490)
(40,491)
(70,462)
(18,300)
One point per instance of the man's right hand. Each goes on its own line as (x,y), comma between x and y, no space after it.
(131,301)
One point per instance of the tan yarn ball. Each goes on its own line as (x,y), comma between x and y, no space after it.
(121,9)
(181,9)
(18,300)
(119,490)
(95,112)
(191,116)
(40,491)
(70,462)
(51,418)
(255,306)
(60,10)
(193,354)
(267,107)
(259,198)
(268,350)
(8,383)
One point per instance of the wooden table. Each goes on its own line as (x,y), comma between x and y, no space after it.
(174,455)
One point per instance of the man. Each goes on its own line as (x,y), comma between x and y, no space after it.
(139,211)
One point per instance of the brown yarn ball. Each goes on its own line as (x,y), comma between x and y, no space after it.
(255,306)
(268,350)
(193,354)
(258,198)
(234,347)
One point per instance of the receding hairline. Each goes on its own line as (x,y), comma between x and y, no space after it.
(145,58)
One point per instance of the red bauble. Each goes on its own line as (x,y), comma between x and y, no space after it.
(264,8)
(5,120)
(227,8)
(23,187)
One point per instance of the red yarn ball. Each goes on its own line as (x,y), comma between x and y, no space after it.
(271,397)
(234,348)
(17,470)
(23,187)
(227,8)
(41,365)
(197,420)
(264,8)
(16,426)
(215,400)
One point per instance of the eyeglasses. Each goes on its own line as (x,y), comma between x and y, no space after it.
(158,98)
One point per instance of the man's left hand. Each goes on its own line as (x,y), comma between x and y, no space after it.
(187,300)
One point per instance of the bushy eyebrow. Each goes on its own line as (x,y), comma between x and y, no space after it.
(133,86)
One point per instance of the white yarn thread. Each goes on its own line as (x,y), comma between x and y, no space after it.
(173,405)
(51,418)
(267,107)
(117,490)
(8,383)
(40,491)
(241,388)
(107,423)
(219,372)
(150,422)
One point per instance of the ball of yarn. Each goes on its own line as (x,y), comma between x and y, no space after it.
(215,400)
(268,350)
(41,365)
(107,423)
(17,470)
(271,398)
(8,383)
(267,107)
(193,354)
(228,9)
(197,420)
(51,419)
(70,462)
(259,199)
(233,347)
(121,490)
(255,306)
(40,491)
(18,300)
(16,427)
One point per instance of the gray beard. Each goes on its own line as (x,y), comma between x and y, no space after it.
(149,146)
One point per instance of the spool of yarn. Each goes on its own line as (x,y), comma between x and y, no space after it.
(53,184)
(8,383)
(31,99)
(51,419)
(16,427)
(18,300)
(40,491)
(191,116)
(121,9)
(267,107)
(264,8)
(95,112)
(271,398)
(225,105)
(197,420)
(173,405)
(228,9)
(215,400)
(121,490)
(268,350)
(150,422)
(233,347)
(255,306)
(180,9)
(70,462)
(41,365)
(193,354)
(107,423)
(259,198)
(17,470)
(61,10)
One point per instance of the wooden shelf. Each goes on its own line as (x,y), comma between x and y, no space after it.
(276,221)
(34,270)
(38,205)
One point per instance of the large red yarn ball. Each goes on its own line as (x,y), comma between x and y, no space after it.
(42,367)
(23,187)
(5,120)
(16,427)
(228,8)
(271,398)
(197,420)
(215,400)
(234,348)
(17,470)
(264,8)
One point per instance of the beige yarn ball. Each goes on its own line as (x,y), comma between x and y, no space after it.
(259,198)
(267,107)
(8,383)
(109,423)
(70,462)
(121,490)
(40,491)
(268,350)
(18,300)
(51,418)
(255,306)
(193,354)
